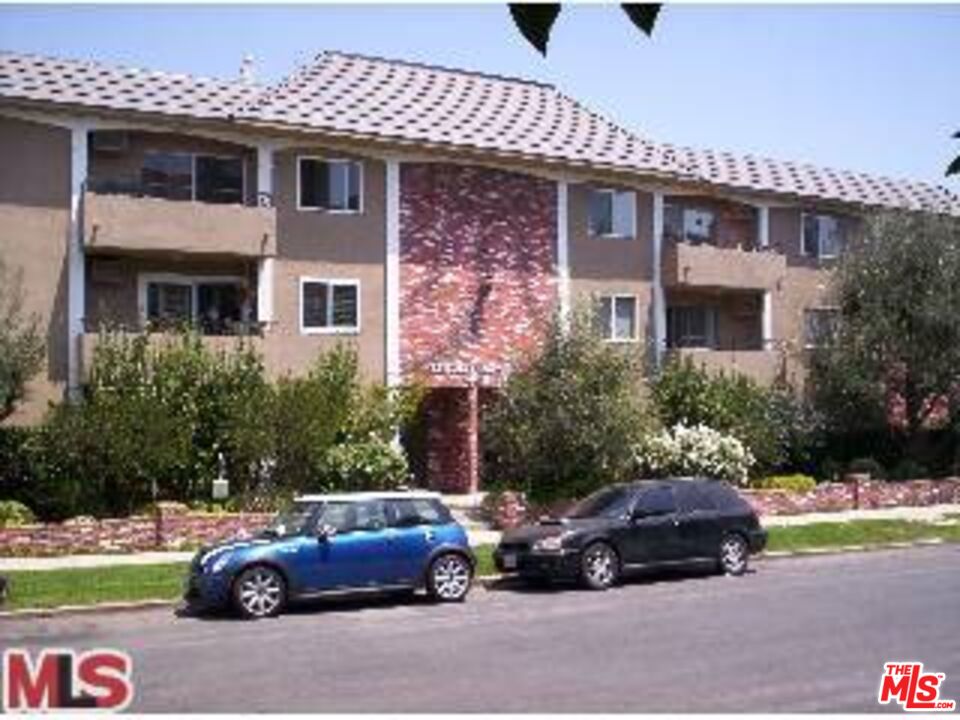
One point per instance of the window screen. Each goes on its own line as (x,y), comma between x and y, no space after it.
(330,305)
(329,184)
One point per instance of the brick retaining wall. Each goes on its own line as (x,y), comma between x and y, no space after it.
(171,527)
(865,494)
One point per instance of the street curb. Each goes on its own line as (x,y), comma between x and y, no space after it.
(485,581)
(842,549)
(113,607)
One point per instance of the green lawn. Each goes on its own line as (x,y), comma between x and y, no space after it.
(858,532)
(126,583)
(88,586)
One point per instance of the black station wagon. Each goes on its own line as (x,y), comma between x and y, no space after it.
(636,525)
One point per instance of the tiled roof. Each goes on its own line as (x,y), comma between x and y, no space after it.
(746,172)
(396,100)
(76,82)
(368,96)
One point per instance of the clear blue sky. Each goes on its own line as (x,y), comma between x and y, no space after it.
(872,88)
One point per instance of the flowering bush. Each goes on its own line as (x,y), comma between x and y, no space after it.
(697,450)
(370,464)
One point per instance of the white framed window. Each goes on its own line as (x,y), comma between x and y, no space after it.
(616,318)
(329,306)
(612,213)
(818,325)
(215,304)
(692,326)
(331,185)
(822,236)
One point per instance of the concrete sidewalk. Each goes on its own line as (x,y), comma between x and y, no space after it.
(930,513)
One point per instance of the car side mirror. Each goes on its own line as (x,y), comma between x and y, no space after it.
(325,532)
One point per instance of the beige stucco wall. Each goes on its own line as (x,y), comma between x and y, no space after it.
(34,226)
(327,246)
(607,266)
(806,284)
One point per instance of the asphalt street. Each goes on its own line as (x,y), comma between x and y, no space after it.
(801,634)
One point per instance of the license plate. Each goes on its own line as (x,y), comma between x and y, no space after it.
(510,562)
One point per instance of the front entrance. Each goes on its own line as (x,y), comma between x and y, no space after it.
(445,453)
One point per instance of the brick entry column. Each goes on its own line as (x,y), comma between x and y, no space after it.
(453,455)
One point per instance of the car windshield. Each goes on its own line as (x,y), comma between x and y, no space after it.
(609,502)
(290,521)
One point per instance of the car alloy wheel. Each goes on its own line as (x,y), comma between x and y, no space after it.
(450,577)
(733,555)
(601,566)
(260,592)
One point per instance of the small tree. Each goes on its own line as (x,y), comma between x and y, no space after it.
(21,348)
(892,363)
(567,418)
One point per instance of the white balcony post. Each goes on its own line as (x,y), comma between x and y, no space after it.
(265,268)
(76,264)
(563,253)
(767,319)
(659,299)
(763,227)
(392,274)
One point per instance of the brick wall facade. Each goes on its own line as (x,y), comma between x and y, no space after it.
(171,527)
(477,282)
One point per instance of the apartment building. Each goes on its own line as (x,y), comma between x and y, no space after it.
(435,218)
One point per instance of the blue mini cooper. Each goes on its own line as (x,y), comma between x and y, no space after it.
(386,541)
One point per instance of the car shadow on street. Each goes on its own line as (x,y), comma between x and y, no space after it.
(325,605)
(643,577)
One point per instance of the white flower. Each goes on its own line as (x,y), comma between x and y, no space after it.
(698,450)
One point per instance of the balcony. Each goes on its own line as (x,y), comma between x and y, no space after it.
(707,266)
(764,366)
(134,224)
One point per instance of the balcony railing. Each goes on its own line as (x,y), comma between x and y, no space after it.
(216,343)
(764,366)
(703,265)
(123,215)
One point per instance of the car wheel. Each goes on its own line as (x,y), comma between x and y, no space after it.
(599,566)
(449,578)
(259,592)
(733,555)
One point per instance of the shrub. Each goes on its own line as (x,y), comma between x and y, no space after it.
(15,514)
(157,417)
(567,417)
(780,431)
(869,466)
(694,451)
(794,483)
(371,464)
(908,469)
(21,344)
